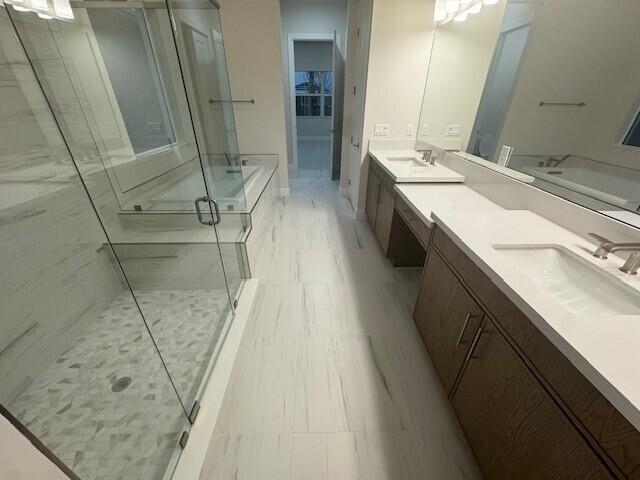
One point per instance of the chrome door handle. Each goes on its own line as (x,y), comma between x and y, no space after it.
(464,329)
(216,208)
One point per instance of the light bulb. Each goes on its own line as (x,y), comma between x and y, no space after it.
(439,15)
(62,9)
(476,8)
(490,2)
(40,5)
(452,6)
(461,17)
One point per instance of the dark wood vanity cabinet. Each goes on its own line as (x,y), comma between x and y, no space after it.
(528,413)
(380,204)
(447,318)
(513,426)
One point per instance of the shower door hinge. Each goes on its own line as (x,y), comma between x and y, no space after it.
(357,32)
(184,438)
(355,90)
(193,414)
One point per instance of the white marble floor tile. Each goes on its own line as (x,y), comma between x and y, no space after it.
(319,456)
(332,380)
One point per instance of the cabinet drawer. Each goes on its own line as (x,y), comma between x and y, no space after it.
(607,430)
(420,229)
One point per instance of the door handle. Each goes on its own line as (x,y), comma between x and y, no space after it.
(216,208)
(464,329)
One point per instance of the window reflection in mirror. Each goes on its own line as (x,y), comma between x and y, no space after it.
(129,58)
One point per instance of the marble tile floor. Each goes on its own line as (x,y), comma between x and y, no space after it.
(314,159)
(332,380)
(131,434)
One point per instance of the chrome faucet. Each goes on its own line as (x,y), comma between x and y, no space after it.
(555,161)
(632,265)
(427,156)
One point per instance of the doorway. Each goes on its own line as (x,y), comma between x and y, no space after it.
(316,84)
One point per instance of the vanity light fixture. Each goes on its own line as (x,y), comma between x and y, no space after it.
(476,8)
(453,6)
(458,10)
(45,9)
(62,9)
(440,11)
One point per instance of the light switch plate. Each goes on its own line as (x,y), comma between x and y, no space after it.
(381,130)
(454,130)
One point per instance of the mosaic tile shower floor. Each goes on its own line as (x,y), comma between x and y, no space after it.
(129,434)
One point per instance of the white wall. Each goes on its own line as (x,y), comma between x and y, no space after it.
(20,460)
(300,17)
(401,39)
(579,50)
(458,69)
(253,45)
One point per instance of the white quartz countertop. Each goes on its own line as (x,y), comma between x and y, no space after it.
(403,173)
(605,348)
(425,199)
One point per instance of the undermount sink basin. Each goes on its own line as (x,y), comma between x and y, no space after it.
(574,283)
(407,162)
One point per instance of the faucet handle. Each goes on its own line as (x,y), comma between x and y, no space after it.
(604,248)
(632,265)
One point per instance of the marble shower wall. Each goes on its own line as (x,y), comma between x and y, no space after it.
(55,271)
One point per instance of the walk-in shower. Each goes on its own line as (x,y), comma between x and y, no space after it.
(116,292)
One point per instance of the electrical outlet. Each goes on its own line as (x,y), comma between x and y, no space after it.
(381,130)
(425,131)
(411,130)
(454,130)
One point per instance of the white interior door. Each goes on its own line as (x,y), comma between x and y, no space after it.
(210,100)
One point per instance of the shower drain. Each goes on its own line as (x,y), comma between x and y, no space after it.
(121,384)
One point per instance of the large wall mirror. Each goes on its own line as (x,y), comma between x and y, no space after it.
(546,91)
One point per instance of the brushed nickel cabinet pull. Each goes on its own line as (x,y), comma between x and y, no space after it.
(464,329)
(474,345)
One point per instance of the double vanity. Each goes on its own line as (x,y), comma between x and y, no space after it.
(535,340)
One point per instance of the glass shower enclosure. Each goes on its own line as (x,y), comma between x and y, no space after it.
(119,166)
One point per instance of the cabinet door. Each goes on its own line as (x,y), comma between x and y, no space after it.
(513,426)
(373,190)
(447,318)
(384,217)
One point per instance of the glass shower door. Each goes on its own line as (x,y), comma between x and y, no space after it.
(78,367)
(113,78)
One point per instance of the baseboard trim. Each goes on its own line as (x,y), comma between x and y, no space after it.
(361,215)
(193,456)
(285,192)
